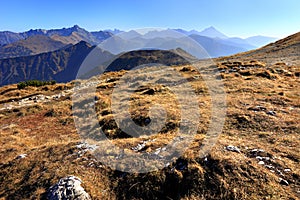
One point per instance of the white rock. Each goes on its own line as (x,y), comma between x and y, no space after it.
(139,147)
(257,150)
(87,146)
(271,112)
(262,158)
(21,156)
(279,172)
(233,149)
(258,157)
(261,162)
(68,188)
(283,182)
(157,151)
(287,170)
(270,167)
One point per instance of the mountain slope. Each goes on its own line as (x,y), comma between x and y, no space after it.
(101,35)
(134,59)
(285,50)
(30,46)
(7,37)
(61,65)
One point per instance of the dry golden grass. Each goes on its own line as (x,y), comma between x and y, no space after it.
(46,132)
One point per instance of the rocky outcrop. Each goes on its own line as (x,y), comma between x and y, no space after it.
(68,188)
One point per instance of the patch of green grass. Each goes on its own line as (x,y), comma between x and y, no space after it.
(34,83)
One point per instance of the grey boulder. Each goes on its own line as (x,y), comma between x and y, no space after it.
(68,188)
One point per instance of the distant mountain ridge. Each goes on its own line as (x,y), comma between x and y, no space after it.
(216,43)
(246,43)
(61,65)
(7,37)
(95,37)
(170,39)
(38,41)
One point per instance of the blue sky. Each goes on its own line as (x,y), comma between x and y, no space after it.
(242,18)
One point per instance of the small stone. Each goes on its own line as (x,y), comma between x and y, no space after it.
(258,152)
(86,146)
(261,162)
(283,182)
(140,146)
(21,156)
(287,170)
(271,112)
(233,149)
(157,151)
(262,158)
(270,167)
(258,108)
(258,157)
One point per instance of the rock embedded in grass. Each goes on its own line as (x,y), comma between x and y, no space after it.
(233,149)
(68,188)
(283,182)
(21,156)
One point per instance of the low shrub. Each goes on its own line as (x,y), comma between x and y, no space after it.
(34,83)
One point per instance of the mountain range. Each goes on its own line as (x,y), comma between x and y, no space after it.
(62,65)
(58,53)
(21,44)
(7,37)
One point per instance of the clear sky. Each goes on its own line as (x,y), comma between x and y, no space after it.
(242,18)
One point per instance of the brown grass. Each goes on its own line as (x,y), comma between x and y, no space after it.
(46,132)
